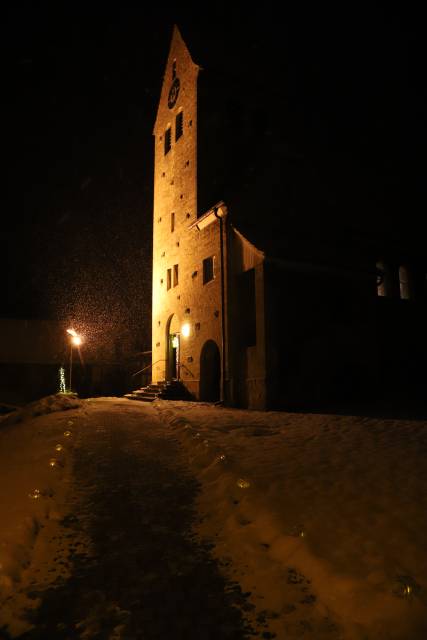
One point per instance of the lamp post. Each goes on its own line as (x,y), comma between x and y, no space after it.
(76,340)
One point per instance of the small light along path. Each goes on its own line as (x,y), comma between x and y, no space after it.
(135,568)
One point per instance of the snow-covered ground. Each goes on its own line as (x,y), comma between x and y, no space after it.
(35,447)
(322,518)
(338,503)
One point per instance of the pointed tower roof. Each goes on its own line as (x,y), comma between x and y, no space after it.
(178,50)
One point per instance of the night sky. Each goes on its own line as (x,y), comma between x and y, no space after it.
(342,92)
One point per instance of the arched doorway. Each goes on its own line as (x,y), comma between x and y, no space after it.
(172,349)
(210,372)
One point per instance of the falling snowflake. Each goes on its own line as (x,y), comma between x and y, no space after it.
(406,587)
(59,447)
(67,434)
(35,494)
(243,484)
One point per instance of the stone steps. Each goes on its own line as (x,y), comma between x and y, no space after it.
(174,390)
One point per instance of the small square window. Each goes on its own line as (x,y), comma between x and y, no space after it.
(178,125)
(208,269)
(172,222)
(175,275)
(169,279)
(168,140)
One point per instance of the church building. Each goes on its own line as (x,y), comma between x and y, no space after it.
(196,257)
(235,316)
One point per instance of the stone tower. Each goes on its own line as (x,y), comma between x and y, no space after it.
(188,289)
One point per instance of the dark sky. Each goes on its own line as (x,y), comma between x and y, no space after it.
(345,89)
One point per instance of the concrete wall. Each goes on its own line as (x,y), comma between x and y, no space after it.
(248,368)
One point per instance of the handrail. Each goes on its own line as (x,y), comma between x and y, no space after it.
(187,369)
(147,367)
(181,365)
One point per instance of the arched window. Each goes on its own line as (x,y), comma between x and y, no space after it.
(404,282)
(380,279)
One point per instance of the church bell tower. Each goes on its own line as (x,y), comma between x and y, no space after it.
(175,205)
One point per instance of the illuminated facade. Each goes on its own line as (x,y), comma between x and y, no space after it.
(194,261)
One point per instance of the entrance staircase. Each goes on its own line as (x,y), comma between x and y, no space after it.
(166,390)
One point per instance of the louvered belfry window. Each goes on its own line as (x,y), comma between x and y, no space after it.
(179,121)
(168,140)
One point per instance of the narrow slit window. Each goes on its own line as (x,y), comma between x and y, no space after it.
(168,140)
(380,279)
(208,269)
(179,125)
(175,275)
(172,222)
(404,282)
(169,279)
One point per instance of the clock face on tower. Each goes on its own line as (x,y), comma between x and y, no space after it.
(173,93)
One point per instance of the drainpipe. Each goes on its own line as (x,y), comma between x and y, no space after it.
(221,245)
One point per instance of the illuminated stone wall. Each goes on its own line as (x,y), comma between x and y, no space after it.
(180,242)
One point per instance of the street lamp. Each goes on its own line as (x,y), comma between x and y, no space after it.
(76,341)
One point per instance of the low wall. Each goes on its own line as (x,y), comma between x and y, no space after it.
(22,383)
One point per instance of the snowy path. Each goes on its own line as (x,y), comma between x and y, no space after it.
(175,520)
(142,574)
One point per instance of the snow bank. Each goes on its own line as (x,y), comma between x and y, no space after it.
(48,404)
(35,467)
(333,505)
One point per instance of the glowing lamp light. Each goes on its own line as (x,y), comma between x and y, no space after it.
(76,341)
(185,330)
